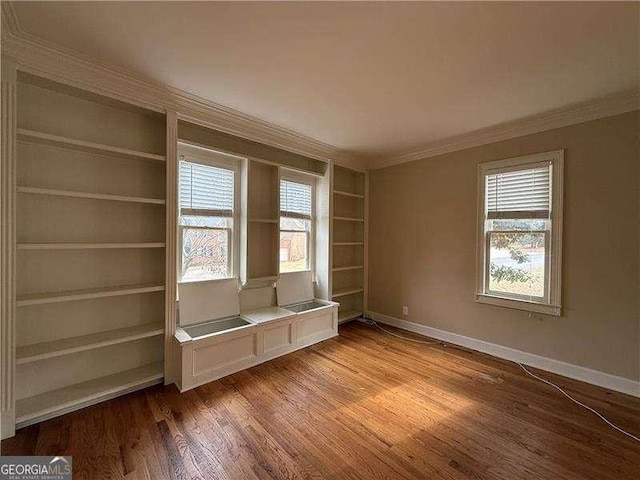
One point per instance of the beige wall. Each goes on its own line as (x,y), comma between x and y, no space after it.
(422,247)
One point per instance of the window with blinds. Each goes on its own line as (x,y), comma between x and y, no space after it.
(517,244)
(519,193)
(295,199)
(207,198)
(206,190)
(296,224)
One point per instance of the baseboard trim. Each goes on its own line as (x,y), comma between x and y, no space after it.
(576,372)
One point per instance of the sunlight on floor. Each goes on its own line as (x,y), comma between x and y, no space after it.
(401,403)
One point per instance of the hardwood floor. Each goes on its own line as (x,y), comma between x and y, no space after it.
(362,405)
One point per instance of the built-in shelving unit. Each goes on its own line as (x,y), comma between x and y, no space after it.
(90,243)
(348,258)
(261,235)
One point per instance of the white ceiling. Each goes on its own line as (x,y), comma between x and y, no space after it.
(372,78)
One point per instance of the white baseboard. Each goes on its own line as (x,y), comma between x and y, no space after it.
(594,377)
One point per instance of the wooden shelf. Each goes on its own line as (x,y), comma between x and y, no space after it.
(348,194)
(349,219)
(86,246)
(66,346)
(348,244)
(343,269)
(263,220)
(347,315)
(32,136)
(84,294)
(347,291)
(39,407)
(92,196)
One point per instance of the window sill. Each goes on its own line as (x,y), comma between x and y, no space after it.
(519,304)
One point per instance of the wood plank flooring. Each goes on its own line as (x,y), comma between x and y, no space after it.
(362,405)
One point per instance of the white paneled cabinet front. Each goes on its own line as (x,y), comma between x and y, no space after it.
(315,327)
(276,338)
(208,358)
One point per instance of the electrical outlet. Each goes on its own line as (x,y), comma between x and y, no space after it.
(405,310)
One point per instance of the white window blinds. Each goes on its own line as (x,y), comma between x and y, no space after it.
(295,199)
(206,190)
(523,193)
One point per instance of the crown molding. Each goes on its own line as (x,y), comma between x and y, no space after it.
(562,117)
(54,62)
(10,24)
(39,57)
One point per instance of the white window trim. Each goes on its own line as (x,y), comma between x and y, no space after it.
(204,156)
(308,179)
(552,305)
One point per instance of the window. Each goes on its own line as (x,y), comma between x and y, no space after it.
(520,232)
(296,222)
(208,207)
